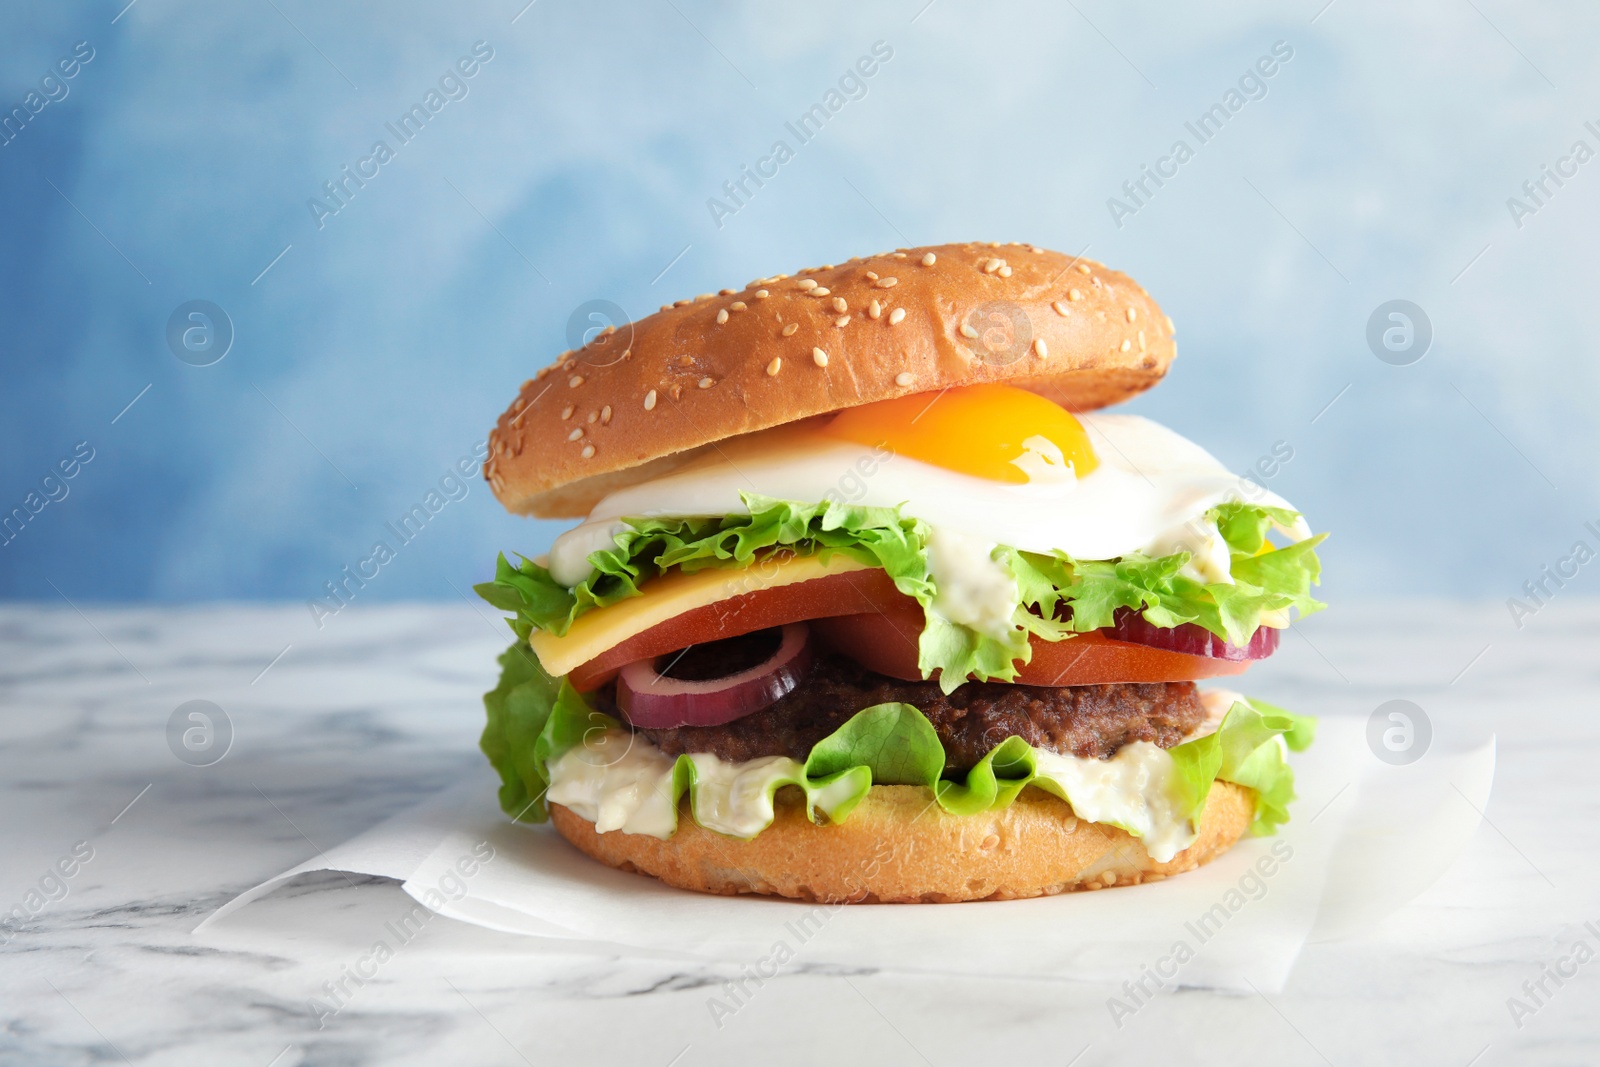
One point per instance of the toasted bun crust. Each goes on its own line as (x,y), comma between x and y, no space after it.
(635,402)
(897,847)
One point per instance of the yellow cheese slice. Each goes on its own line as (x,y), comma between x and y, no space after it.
(602,629)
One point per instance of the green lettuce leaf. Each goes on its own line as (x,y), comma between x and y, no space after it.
(1056,594)
(519,710)
(1245,749)
(896,742)
(1265,579)
(646,548)
(833,781)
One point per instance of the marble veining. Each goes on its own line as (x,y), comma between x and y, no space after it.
(380,709)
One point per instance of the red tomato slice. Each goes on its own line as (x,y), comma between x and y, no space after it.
(886,642)
(837,594)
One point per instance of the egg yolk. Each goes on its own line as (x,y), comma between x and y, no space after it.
(998,432)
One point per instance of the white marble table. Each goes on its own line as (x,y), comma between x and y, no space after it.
(381,708)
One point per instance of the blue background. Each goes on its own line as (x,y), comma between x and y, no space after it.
(380,347)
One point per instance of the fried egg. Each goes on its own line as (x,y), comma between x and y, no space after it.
(983,465)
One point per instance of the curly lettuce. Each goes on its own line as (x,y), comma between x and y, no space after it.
(535,719)
(647,548)
(1057,595)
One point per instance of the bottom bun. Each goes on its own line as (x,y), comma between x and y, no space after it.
(898,847)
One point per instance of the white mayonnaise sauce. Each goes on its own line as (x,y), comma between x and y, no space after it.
(973,588)
(1133,789)
(619,781)
(1149,493)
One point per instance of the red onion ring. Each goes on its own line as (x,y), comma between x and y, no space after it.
(1190,638)
(653,701)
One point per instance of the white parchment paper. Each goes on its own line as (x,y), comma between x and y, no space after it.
(1366,837)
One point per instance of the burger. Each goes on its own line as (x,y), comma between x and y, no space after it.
(869,601)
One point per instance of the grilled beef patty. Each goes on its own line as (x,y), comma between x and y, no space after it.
(1088,721)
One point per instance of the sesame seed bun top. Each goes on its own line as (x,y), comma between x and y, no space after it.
(635,402)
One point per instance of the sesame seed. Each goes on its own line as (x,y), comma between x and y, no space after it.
(666,307)
(1141,340)
(1005,270)
(726,292)
(722,316)
(1035,250)
(577,432)
(566,413)
(775,366)
(904,378)
(819,357)
(608,331)
(872,275)
(874,309)
(1083,268)
(704,296)
(677,392)
(992,264)
(738,305)
(1133,313)
(887,283)
(929,260)
(897,316)
(1061,309)
(1074,294)
(605,415)
(574,381)
(681,303)
(839,304)
(1126,344)
(789,330)
(705,383)
(762,294)
(588,452)
(684,361)
(842,321)
(898,255)
(626,352)
(967,330)
(807,283)
(1096,282)
(542,372)
(1041,349)
(594,417)
(650,400)
(821,290)
(1110,877)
